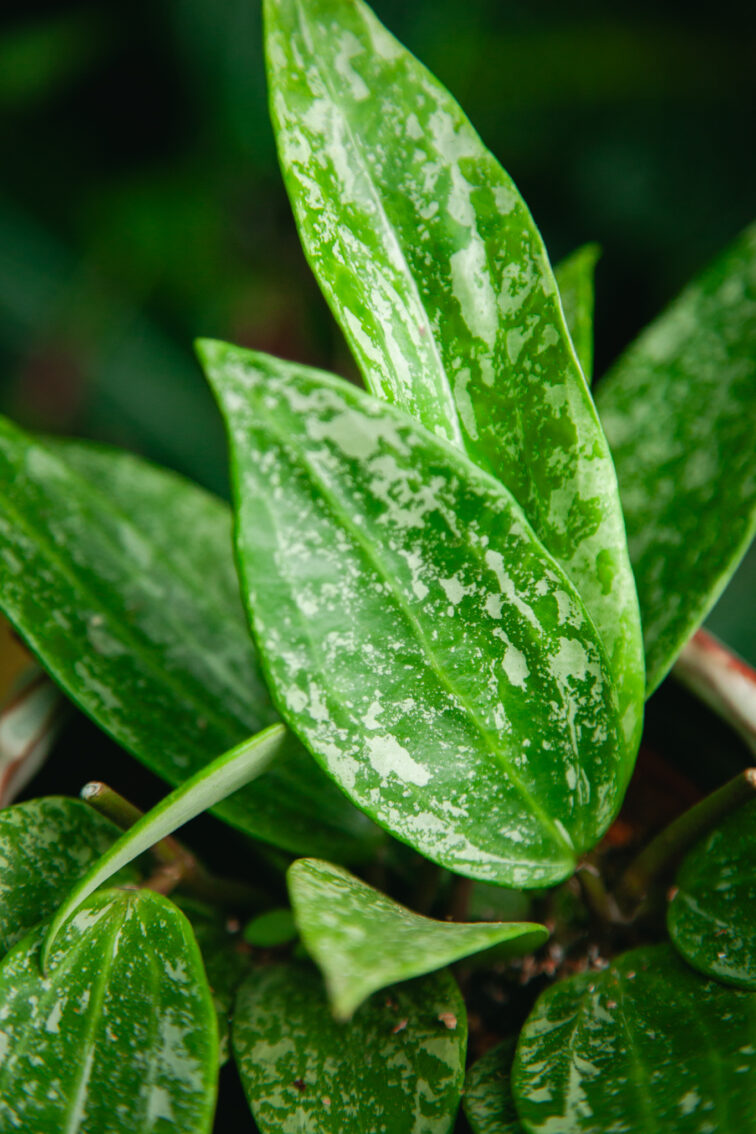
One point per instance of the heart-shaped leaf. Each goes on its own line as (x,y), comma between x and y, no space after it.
(574,277)
(712,916)
(415,633)
(488,1101)
(440,280)
(121,1036)
(45,847)
(363,940)
(120,577)
(646,1046)
(398,1066)
(679,409)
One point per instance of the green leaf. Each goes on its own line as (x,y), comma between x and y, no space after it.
(226,964)
(679,409)
(272,928)
(205,788)
(645,1045)
(121,1037)
(712,916)
(440,280)
(488,1101)
(416,635)
(119,575)
(574,277)
(45,847)
(397,1067)
(363,940)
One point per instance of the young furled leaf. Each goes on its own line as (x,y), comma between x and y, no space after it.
(644,1045)
(712,916)
(679,409)
(415,634)
(119,576)
(363,940)
(574,277)
(440,280)
(397,1067)
(488,1101)
(121,1036)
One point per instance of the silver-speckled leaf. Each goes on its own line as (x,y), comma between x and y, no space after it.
(363,940)
(574,277)
(120,1037)
(712,916)
(488,1101)
(646,1046)
(679,409)
(414,632)
(432,264)
(396,1068)
(119,575)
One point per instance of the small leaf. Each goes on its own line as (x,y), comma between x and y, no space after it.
(439,278)
(488,1101)
(45,847)
(205,788)
(272,928)
(119,576)
(121,1037)
(397,1067)
(363,940)
(712,916)
(416,635)
(574,277)
(31,717)
(679,409)
(645,1045)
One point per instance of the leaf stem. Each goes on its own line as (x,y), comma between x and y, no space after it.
(600,901)
(654,862)
(726,683)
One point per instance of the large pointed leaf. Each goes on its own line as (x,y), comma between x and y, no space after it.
(574,277)
(488,1101)
(679,409)
(415,633)
(363,940)
(397,1068)
(433,266)
(119,576)
(121,1037)
(712,916)
(45,847)
(647,1046)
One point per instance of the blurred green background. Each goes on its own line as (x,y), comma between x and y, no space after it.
(141,205)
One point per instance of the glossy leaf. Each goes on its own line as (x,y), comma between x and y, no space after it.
(679,409)
(488,1101)
(574,277)
(226,964)
(121,1037)
(363,940)
(416,635)
(398,1067)
(205,788)
(712,916)
(433,266)
(120,577)
(646,1045)
(45,847)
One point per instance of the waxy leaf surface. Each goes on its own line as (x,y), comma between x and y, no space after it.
(120,578)
(397,1067)
(363,940)
(679,409)
(415,633)
(45,847)
(712,916)
(432,264)
(120,1037)
(488,1101)
(574,277)
(647,1046)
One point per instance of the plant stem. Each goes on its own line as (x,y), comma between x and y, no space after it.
(177,865)
(602,904)
(654,862)
(723,680)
